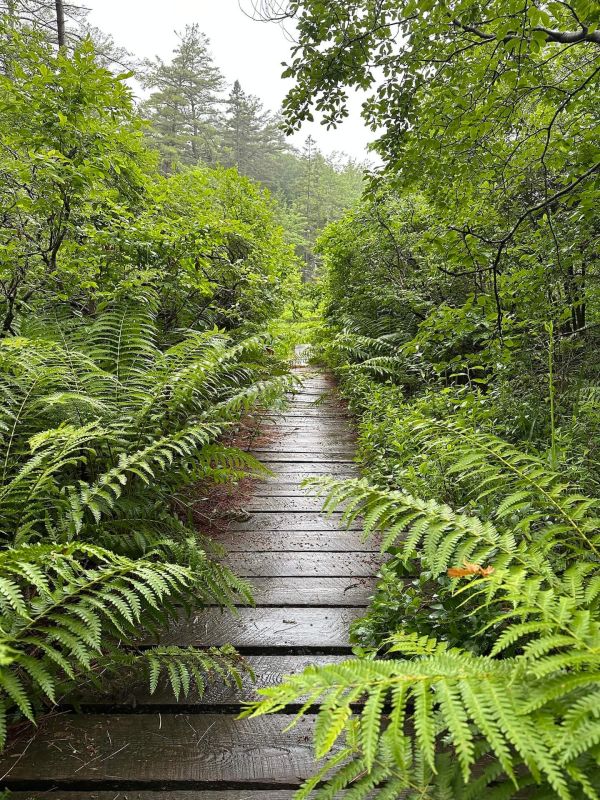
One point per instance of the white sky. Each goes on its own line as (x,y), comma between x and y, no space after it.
(248,51)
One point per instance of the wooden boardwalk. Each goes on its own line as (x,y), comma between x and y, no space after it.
(311,580)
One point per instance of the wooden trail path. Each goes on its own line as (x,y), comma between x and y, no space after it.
(311,580)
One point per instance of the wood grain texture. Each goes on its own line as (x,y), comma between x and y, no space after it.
(290,564)
(305,591)
(315,437)
(265,627)
(303,469)
(319,400)
(310,581)
(269,670)
(312,433)
(314,541)
(284,504)
(316,386)
(309,412)
(323,429)
(290,521)
(305,458)
(166,747)
(279,488)
(332,449)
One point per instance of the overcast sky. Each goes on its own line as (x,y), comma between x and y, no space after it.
(248,51)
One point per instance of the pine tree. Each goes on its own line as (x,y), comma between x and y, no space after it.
(183,108)
(251,138)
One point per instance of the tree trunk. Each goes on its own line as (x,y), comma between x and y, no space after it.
(60,23)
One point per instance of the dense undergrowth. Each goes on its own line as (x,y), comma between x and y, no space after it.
(461,317)
(135,312)
(144,313)
(479,651)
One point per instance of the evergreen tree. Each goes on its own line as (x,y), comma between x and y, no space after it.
(251,138)
(183,108)
(323,187)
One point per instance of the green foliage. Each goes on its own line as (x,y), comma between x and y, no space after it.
(527,704)
(133,310)
(472,100)
(183,105)
(95,414)
(460,316)
(101,430)
(67,609)
(86,219)
(72,161)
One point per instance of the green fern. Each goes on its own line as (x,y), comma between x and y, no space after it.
(479,706)
(102,430)
(524,717)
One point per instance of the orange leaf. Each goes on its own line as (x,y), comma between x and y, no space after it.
(469,569)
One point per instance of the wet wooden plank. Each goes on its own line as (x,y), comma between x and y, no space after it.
(309,422)
(310,426)
(319,398)
(322,399)
(316,541)
(265,627)
(305,458)
(285,478)
(310,412)
(278,488)
(269,670)
(283,564)
(304,503)
(332,448)
(165,747)
(236,794)
(282,470)
(303,591)
(315,432)
(316,386)
(292,521)
(308,417)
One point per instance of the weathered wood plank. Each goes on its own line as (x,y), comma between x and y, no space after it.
(309,435)
(316,541)
(269,670)
(308,422)
(265,627)
(309,412)
(236,794)
(303,591)
(292,521)
(278,488)
(305,503)
(332,448)
(305,458)
(286,564)
(315,385)
(306,468)
(310,581)
(319,397)
(285,478)
(318,431)
(167,747)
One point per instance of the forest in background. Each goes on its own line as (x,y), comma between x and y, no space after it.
(142,277)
